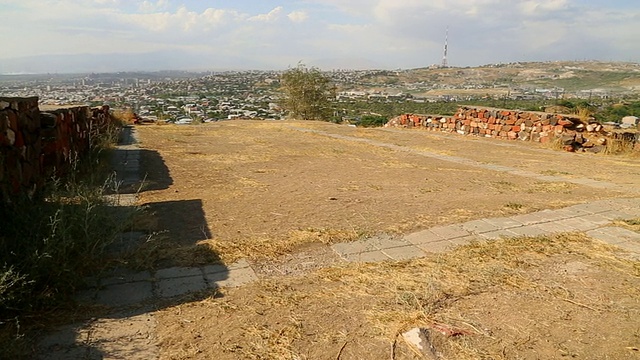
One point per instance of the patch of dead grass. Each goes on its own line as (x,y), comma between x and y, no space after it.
(366,306)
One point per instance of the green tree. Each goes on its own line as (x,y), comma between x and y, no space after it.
(307,93)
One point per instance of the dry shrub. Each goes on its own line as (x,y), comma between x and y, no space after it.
(126,115)
(617,146)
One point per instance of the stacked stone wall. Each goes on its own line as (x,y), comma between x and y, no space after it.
(35,146)
(572,132)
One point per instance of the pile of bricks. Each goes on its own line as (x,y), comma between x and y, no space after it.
(34,145)
(570,131)
(415,120)
(515,124)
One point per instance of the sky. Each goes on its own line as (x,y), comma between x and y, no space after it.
(117,35)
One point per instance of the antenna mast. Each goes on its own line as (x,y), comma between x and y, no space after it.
(446,43)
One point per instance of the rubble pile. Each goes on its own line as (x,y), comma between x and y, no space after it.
(569,131)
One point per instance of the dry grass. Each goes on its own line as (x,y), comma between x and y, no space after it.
(261,248)
(617,147)
(632,224)
(366,306)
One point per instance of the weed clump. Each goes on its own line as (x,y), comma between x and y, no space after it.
(50,242)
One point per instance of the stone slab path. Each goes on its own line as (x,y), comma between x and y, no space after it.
(593,218)
(128,332)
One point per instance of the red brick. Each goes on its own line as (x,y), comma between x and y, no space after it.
(516,128)
(558,128)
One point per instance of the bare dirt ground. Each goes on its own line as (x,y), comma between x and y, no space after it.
(265,190)
(265,187)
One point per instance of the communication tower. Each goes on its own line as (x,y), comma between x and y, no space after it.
(446,44)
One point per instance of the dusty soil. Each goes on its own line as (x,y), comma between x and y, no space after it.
(261,189)
(566,297)
(275,194)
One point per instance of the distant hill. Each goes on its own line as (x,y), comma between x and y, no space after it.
(570,76)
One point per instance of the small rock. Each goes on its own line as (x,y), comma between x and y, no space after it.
(333,198)
(419,339)
(594,149)
(11,135)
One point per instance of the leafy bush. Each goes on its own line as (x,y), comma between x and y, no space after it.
(372,121)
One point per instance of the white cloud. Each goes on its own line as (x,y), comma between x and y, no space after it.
(271,16)
(298,16)
(399,33)
(540,7)
(150,6)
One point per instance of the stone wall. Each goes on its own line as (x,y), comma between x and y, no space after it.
(34,145)
(569,130)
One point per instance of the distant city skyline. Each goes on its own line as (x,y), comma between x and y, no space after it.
(67,36)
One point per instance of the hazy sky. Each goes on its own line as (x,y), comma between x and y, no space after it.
(276,34)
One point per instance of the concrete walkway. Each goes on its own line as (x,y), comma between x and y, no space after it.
(593,218)
(129,331)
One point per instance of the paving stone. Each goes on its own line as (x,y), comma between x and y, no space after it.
(618,214)
(233,278)
(125,294)
(369,256)
(175,286)
(552,215)
(404,252)
(214,269)
(589,208)
(622,233)
(479,226)
(504,222)
(498,234)
(450,231)
(579,224)
(554,227)
(422,237)
(530,230)
(632,246)
(530,219)
(561,214)
(437,246)
(464,240)
(240,264)
(122,276)
(177,272)
(353,247)
(596,219)
(387,242)
(627,203)
(603,235)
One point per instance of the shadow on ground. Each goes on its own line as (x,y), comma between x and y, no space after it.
(118,321)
